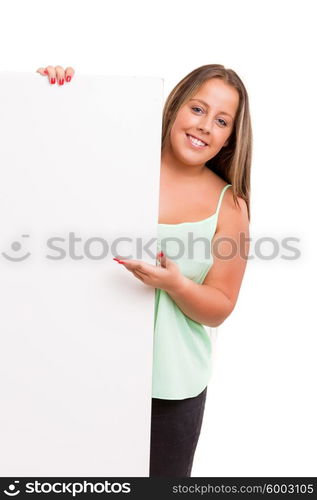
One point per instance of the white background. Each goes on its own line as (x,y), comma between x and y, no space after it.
(260,414)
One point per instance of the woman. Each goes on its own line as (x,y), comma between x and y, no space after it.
(204,195)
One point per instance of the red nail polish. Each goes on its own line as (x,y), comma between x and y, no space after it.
(45,71)
(61,82)
(68,78)
(118,260)
(161,254)
(52,80)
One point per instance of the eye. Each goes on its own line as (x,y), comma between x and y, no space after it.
(224,124)
(196,107)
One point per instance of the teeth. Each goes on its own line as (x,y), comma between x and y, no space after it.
(196,141)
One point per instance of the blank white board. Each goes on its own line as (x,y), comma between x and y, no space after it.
(80,170)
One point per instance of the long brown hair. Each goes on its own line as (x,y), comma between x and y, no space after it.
(233,162)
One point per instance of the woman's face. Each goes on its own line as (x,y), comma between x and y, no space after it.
(209,116)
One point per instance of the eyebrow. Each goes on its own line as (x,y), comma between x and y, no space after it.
(203,102)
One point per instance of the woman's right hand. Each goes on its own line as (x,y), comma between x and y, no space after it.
(57,73)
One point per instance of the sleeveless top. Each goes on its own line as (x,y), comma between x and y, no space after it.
(182,347)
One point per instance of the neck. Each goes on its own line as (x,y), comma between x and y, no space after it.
(169,164)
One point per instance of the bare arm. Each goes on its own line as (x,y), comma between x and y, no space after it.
(213,301)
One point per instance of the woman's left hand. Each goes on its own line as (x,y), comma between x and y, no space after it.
(166,277)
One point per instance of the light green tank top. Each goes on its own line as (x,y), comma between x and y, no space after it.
(182,347)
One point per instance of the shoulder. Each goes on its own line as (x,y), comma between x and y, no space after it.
(230,247)
(214,184)
(240,207)
(228,207)
(230,214)
(233,216)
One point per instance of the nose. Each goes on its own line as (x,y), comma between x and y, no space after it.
(205,125)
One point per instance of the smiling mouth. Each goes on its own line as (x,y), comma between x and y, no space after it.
(197,143)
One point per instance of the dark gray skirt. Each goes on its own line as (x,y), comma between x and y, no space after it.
(175,429)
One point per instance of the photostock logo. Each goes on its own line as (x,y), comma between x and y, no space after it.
(11,487)
(69,488)
(16,247)
(97,248)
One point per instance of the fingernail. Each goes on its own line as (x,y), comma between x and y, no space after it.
(45,71)
(161,254)
(68,78)
(118,260)
(52,80)
(61,82)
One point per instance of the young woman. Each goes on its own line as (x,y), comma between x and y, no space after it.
(204,196)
